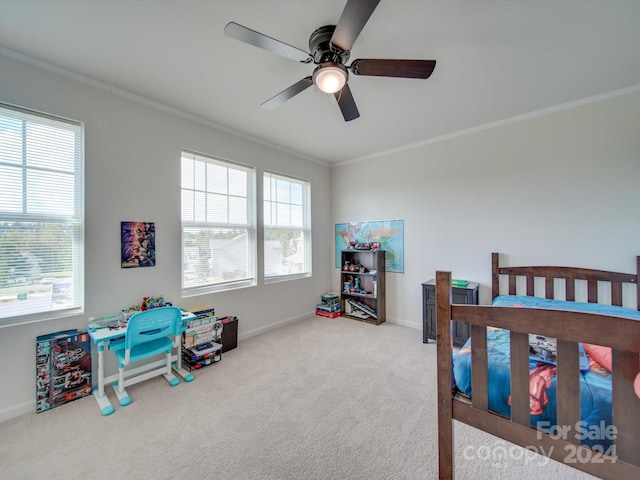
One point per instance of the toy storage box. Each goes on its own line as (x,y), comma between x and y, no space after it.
(63,368)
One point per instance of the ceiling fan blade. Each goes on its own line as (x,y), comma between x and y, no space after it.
(347,104)
(260,40)
(288,93)
(393,68)
(355,15)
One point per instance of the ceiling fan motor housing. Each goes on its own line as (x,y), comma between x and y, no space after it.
(321,49)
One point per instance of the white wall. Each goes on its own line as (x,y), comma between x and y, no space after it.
(558,189)
(132,161)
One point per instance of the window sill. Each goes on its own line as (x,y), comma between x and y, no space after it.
(285,278)
(40,317)
(225,287)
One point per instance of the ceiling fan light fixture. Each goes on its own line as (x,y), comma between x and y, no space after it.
(330,77)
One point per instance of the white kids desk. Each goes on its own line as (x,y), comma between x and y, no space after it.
(104,336)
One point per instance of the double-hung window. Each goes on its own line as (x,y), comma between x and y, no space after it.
(41,215)
(287,227)
(218,225)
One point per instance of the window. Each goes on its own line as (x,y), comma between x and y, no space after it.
(41,215)
(218,226)
(287,230)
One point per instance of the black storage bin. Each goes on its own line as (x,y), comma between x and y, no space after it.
(229,337)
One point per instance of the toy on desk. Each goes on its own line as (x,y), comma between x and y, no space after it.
(111,322)
(147,303)
(152,302)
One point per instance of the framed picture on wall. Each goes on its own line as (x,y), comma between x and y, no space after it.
(137,244)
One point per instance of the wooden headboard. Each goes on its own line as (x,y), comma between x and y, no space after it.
(569,275)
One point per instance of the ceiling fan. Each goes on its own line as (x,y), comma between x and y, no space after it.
(330,47)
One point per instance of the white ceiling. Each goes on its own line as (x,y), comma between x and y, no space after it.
(496,59)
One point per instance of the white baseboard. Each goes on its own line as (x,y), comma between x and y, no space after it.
(273,326)
(18,410)
(405,323)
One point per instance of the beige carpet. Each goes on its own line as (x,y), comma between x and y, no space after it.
(319,399)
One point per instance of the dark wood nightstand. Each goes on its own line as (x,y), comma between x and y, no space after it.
(464,295)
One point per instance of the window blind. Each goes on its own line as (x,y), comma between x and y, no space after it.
(41,214)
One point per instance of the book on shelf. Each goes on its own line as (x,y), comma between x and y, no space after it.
(205,314)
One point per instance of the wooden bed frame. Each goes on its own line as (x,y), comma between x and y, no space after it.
(622,334)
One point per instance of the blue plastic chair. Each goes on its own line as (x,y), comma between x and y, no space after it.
(149,333)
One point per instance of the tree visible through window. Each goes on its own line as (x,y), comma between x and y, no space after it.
(41,214)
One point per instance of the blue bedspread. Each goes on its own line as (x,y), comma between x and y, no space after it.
(595,385)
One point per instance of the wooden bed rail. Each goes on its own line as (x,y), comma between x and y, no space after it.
(622,334)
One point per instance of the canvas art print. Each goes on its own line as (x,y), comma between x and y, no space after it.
(138,244)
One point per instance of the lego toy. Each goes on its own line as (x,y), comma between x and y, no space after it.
(63,368)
